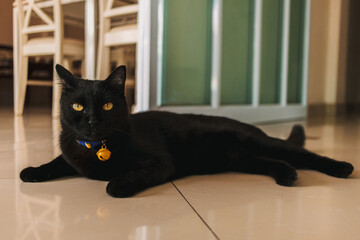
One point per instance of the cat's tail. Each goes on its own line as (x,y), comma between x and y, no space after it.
(297,136)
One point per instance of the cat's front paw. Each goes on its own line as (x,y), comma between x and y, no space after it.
(120,188)
(285,176)
(32,174)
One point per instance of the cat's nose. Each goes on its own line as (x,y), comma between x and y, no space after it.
(92,122)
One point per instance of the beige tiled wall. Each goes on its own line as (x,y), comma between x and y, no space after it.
(328,50)
(6,22)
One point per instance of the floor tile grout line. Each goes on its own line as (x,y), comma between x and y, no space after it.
(207,225)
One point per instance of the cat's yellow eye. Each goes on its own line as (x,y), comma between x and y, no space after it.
(77,107)
(108,106)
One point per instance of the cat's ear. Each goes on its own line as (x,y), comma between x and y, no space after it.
(68,80)
(117,78)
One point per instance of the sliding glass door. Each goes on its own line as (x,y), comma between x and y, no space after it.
(245,59)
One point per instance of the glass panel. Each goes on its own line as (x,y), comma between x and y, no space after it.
(186,52)
(271,51)
(236,52)
(295,51)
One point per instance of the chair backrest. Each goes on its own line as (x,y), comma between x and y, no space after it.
(110,11)
(116,8)
(50,22)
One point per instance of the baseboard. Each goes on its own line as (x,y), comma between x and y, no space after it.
(353,108)
(330,110)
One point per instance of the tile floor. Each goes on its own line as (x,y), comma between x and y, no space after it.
(225,206)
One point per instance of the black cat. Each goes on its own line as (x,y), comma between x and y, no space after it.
(100,140)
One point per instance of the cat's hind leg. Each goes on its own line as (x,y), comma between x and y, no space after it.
(298,157)
(297,136)
(283,173)
(57,168)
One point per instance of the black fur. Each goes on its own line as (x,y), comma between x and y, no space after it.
(152,148)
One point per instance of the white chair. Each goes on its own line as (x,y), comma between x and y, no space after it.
(115,30)
(46,38)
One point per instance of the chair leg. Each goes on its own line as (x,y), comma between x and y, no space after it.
(83,68)
(56,95)
(67,64)
(103,68)
(20,85)
(56,129)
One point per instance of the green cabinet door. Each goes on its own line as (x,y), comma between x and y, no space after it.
(186,57)
(186,66)
(296,42)
(236,52)
(271,36)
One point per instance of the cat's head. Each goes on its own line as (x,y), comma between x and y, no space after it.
(90,109)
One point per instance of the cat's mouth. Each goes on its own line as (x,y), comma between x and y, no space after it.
(93,137)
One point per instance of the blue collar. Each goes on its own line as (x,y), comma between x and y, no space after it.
(91,144)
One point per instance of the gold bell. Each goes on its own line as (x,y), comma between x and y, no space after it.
(103,154)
